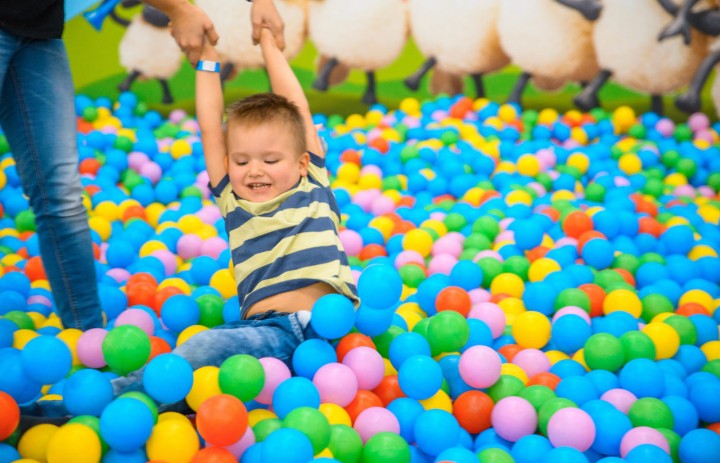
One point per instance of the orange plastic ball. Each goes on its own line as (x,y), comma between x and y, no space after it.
(509,351)
(9,415)
(351,341)
(545,378)
(362,401)
(34,269)
(371,251)
(473,409)
(576,223)
(214,455)
(388,389)
(453,298)
(596,294)
(222,419)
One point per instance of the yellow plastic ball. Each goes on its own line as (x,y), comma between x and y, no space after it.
(579,357)
(101,226)
(22,337)
(506,167)
(70,337)
(622,300)
(349,172)
(205,385)
(579,135)
(709,214)
(698,296)
(518,197)
(259,414)
(107,210)
(513,370)
(374,117)
(676,179)
(389,368)
(153,212)
(623,118)
(507,113)
(224,281)
(175,282)
(335,414)
(563,195)
(555,356)
(34,443)
(370,182)
(531,330)
(172,441)
(180,148)
(473,196)
(711,349)
(541,268)
(512,307)
(529,165)
(151,246)
(74,443)
(189,332)
(410,316)
(436,225)
(665,338)
(418,240)
(37,318)
(547,116)
(700,251)
(189,223)
(439,401)
(355,121)
(630,163)
(579,161)
(168,416)
(410,106)
(508,283)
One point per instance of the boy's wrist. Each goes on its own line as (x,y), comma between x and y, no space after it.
(208,66)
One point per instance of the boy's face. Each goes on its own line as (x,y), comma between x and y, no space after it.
(262,161)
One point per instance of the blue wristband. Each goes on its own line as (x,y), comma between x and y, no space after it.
(208,66)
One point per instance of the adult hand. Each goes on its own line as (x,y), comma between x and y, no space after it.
(190,27)
(265,15)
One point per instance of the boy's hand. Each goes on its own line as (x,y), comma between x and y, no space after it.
(265,15)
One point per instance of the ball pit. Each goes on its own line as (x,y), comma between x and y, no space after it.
(535,286)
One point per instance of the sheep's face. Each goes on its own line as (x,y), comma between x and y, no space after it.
(262,161)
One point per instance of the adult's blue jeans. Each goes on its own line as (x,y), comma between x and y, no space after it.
(38,118)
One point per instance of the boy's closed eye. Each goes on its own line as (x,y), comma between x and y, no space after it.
(271,161)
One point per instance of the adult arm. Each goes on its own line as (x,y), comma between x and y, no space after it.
(265,15)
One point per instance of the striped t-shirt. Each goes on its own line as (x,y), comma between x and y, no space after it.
(288,242)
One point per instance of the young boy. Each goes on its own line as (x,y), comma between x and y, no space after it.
(267,175)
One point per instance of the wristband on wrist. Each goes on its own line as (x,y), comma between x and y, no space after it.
(208,66)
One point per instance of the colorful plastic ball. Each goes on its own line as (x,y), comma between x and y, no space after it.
(46,359)
(420,377)
(222,419)
(642,435)
(168,378)
(610,426)
(684,415)
(480,366)
(312,423)
(87,392)
(180,311)
(436,431)
(492,315)
(241,376)
(531,330)
(513,418)
(345,444)
(287,445)
(310,355)
(74,443)
(700,446)
(643,378)
(336,384)
(89,348)
(571,427)
(379,286)
(138,318)
(447,331)
(604,351)
(374,420)
(126,424)
(473,410)
(648,453)
(9,415)
(14,381)
(530,448)
(333,316)
(570,333)
(293,393)
(126,348)
(275,373)
(705,395)
(173,440)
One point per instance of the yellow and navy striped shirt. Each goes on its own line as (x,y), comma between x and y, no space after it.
(287,243)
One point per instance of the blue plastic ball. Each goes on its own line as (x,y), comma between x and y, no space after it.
(333,316)
(379,286)
(287,445)
(87,392)
(46,359)
(312,354)
(168,378)
(13,380)
(642,377)
(294,393)
(126,424)
(435,431)
(405,345)
(530,448)
(700,446)
(420,377)
(648,453)
(406,410)
(180,311)
(373,322)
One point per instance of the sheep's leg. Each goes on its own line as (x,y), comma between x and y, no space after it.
(656,104)
(679,25)
(689,101)
(588,98)
(590,9)
(167,96)
(125,84)
(369,98)
(479,86)
(227,69)
(322,81)
(413,81)
(517,91)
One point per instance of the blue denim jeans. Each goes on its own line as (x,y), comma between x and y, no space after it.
(37,116)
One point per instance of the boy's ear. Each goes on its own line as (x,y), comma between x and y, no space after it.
(304,163)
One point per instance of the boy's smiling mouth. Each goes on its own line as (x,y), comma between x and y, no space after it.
(258,186)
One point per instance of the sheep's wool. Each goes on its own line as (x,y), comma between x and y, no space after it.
(150,50)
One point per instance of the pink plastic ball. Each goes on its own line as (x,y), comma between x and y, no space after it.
(566,241)
(505,235)
(571,310)
(364,199)
(275,373)
(438,215)
(571,427)
(442,263)
(136,159)
(489,253)
(39,299)
(480,366)
(239,447)
(665,127)
(352,242)
(371,170)
(705,191)
(447,245)
(188,246)
(621,181)
(478,295)
(382,205)
(513,417)
(89,348)
(209,214)
(120,275)
(408,257)
(151,171)
(684,190)
(538,188)
(137,317)
(492,315)
(698,121)
(213,246)
(336,384)
(374,420)
(367,365)
(532,361)
(177,115)
(168,260)
(705,135)
(642,435)
(620,398)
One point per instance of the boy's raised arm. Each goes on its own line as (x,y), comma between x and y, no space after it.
(210,107)
(284,82)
